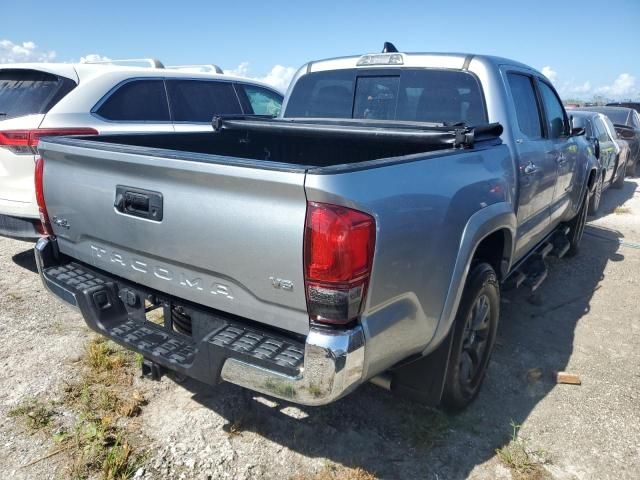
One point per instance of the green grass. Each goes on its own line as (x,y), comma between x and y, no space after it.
(36,413)
(525,464)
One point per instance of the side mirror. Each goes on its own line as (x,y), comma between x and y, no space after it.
(626,133)
(577,131)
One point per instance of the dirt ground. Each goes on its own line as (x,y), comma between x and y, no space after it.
(584,320)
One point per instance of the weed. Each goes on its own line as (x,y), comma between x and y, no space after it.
(337,472)
(426,427)
(315,390)
(117,463)
(103,356)
(523,462)
(37,413)
(280,389)
(619,210)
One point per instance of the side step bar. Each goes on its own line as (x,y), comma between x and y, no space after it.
(533,271)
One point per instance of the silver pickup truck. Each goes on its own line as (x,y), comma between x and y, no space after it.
(364,235)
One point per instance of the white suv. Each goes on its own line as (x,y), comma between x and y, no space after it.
(41,99)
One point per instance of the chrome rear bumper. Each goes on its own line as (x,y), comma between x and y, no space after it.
(332,365)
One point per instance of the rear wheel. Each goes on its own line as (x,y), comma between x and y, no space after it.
(473,337)
(576,227)
(594,201)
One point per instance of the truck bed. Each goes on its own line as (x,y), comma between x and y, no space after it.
(319,143)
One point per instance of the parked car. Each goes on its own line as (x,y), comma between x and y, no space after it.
(60,99)
(627,124)
(634,105)
(363,235)
(611,157)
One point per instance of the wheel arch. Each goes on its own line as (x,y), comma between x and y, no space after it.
(489,235)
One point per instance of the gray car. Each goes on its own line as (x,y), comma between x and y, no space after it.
(365,235)
(612,156)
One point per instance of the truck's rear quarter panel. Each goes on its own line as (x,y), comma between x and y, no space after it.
(421,209)
(225,230)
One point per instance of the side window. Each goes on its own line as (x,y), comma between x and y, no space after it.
(198,101)
(137,101)
(261,101)
(557,123)
(589,130)
(601,130)
(526,104)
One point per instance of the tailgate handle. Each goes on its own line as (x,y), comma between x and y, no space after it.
(138,202)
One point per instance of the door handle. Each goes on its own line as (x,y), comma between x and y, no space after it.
(530,168)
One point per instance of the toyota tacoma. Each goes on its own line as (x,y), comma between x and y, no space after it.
(363,235)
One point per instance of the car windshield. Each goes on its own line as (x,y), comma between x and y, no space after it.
(420,95)
(25,92)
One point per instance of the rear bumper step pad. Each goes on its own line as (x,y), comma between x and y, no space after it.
(328,365)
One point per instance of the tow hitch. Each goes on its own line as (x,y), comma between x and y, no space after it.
(152,370)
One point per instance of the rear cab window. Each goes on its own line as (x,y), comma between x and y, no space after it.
(417,95)
(143,100)
(28,92)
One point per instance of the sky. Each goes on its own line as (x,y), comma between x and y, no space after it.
(586,48)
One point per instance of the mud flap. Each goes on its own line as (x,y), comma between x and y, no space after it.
(422,379)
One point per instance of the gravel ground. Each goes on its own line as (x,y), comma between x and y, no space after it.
(584,320)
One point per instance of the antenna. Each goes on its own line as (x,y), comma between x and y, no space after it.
(389,48)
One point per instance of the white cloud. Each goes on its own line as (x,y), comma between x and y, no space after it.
(23,52)
(550,73)
(625,86)
(94,57)
(278,77)
(241,70)
(572,89)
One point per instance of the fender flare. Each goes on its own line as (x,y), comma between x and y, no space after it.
(495,217)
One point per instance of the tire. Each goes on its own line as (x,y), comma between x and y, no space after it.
(594,199)
(576,227)
(474,337)
(632,167)
(621,171)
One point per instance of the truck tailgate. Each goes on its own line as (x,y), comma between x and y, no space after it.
(230,237)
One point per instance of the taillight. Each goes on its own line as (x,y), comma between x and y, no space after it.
(338,254)
(42,207)
(26,141)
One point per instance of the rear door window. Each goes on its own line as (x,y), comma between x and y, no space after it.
(27,92)
(137,101)
(526,105)
(198,101)
(259,101)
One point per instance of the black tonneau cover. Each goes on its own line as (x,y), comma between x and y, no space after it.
(456,136)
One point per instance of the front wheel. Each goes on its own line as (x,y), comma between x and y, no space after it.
(594,201)
(576,227)
(474,337)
